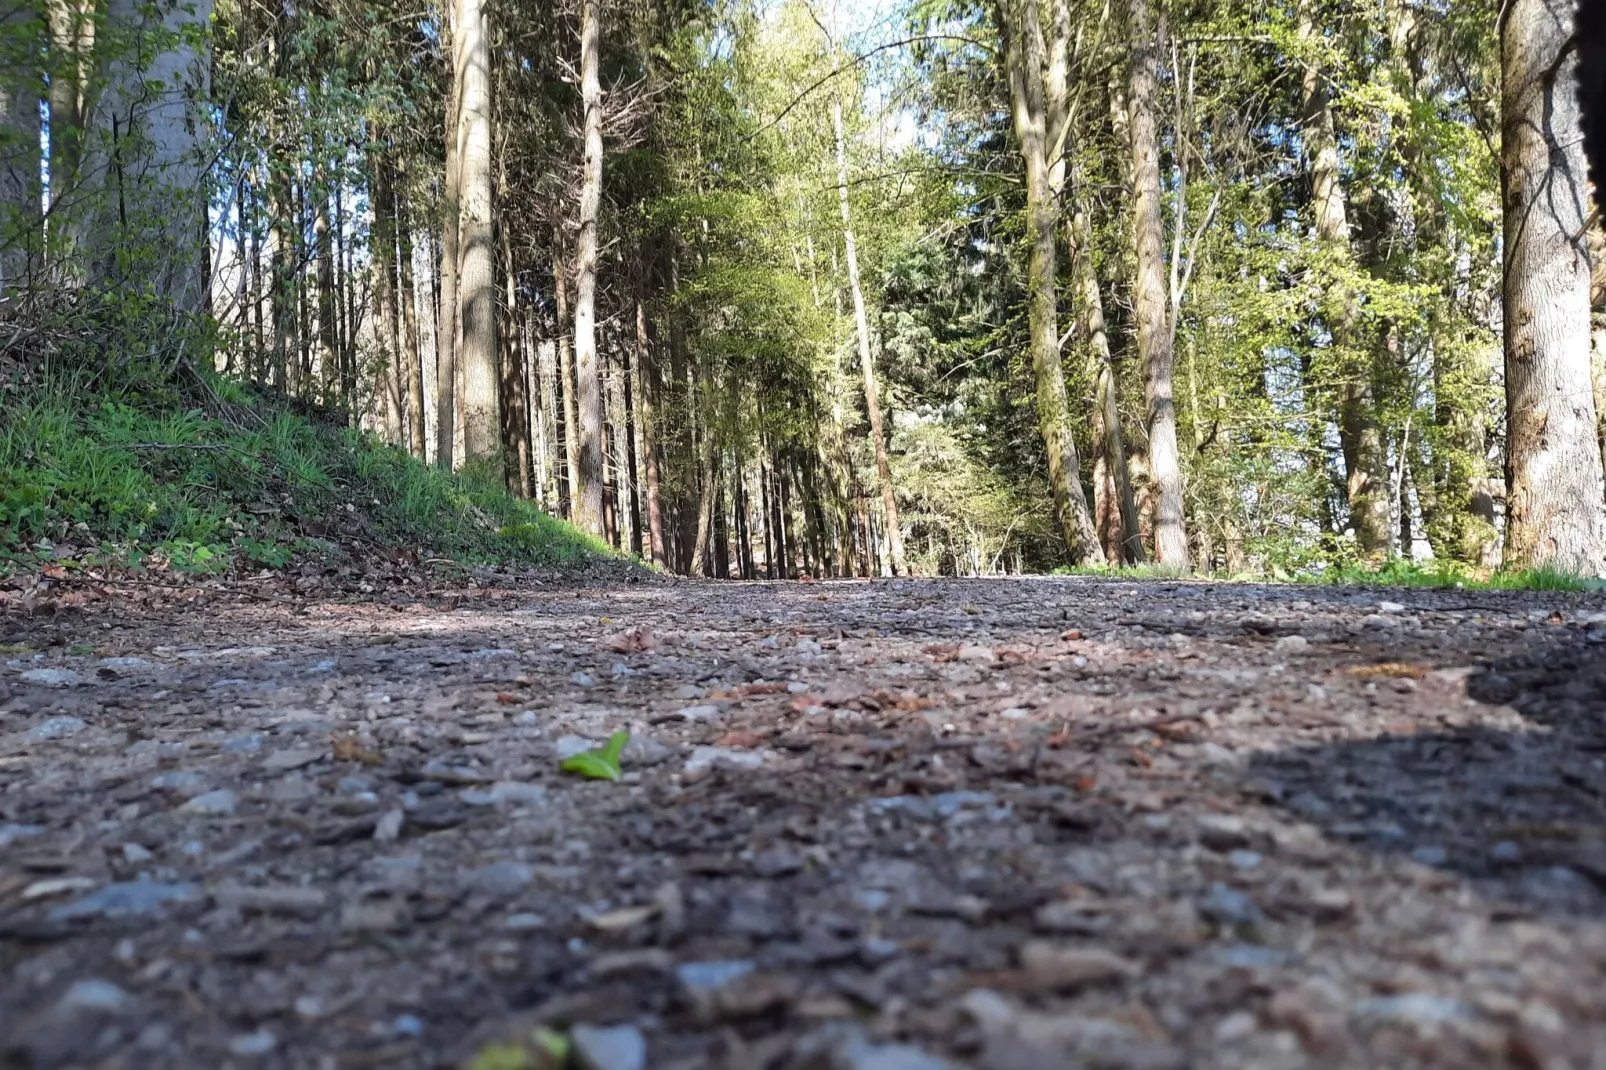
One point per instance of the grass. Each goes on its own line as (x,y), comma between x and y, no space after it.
(1442,575)
(142,472)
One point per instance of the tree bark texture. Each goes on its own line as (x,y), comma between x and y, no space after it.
(1023,61)
(1555,501)
(588,368)
(476,238)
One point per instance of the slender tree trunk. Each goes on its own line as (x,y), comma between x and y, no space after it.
(861,325)
(22,34)
(328,334)
(647,394)
(571,431)
(476,238)
(1023,61)
(1149,295)
(382,196)
(1555,494)
(551,501)
(446,313)
(412,347)
(514,388)
(629,458)
(588,513)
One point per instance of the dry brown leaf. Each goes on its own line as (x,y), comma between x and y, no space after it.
(1391,670)
(635,640)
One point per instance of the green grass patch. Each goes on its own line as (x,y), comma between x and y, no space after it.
(142,473)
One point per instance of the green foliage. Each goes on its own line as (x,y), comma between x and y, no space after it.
(600,763)
(93,462)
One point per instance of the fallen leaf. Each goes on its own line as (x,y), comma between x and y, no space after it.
(1387,670)
(348,748)
(630,641)
(506,699)
(602,763)
(740,739)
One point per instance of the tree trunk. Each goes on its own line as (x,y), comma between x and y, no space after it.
(151,171)
(476,239)
(629,458)
(515,396)
(1555,494)
(383,199)
(72,26)
(1023,61)
(21,35)
(647,394)
(1149,296)
(328,335)
(571,432)
(551,501)
(412,347)
(446,313)
(588,513)
(861,324)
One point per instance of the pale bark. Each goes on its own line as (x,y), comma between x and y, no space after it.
(1555,494)
(1150,297)
(446,312)
(1023,61)
(476,239)
(72,47)
(383,268)
(412,351)
(21,34)
(588,368)
(150,168)
(861,326)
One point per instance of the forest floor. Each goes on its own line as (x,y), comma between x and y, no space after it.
(893,825)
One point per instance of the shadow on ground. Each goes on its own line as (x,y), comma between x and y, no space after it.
(1521,813)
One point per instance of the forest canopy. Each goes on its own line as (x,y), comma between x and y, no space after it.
(815,287)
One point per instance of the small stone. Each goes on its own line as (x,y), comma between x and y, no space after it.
(987,1008)
(498,877)
(50,677)
(1505,853)
(1390,607)
(1291,644)
(252,1044)
(1235,1026)
(185,782)
(115,667)
(55,728)
(977,653)
(1062,967)
(389,826)
(526,719)
(309,1007)
(859,1054)
(93,994)
(703,982)
(242,744)
(807,647)
(220,803)
(11,833)
(1416,1008)
(374,916)
(569,745)
(1379,622)
(1222,832)
(777,862)
(703,712)
(1226,905)
(518,793)
(127,899)
(705,758)
(583,679)
(1242,859)
(272,899)
(643,750)
(1430,855)
(51,887)
(282,761)
(620,1047)
(523,923)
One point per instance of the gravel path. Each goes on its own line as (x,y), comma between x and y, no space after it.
(905,825)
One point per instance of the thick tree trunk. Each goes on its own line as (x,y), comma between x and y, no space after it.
(476,238)
(1023,61)
(22,27)
(588,512)
(151,171)
(861,325)
(72,48)
(1555,498)
(446,312)
(1149,297)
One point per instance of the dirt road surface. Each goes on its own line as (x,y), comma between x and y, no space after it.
(892,825)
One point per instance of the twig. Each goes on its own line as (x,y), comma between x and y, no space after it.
(1136,726)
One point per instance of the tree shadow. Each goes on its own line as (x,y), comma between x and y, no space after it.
(1515,804)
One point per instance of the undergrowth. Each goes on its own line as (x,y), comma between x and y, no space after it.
(208,475)
(1443,575)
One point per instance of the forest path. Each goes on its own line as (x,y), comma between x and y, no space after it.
(891,825)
